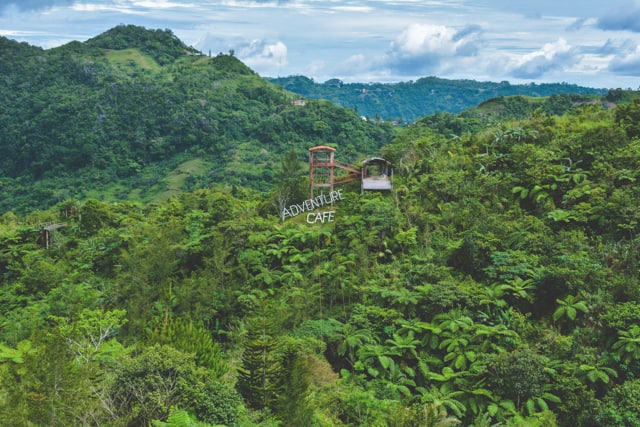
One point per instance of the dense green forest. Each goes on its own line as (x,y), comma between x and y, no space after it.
(134,114)
(496,285)
(408,101)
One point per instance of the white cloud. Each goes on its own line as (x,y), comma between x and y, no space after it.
(314,68)
(213,44)
(618,47)
(424,49)
(370,40)
(29,5)
(626,62)
(98,7)
(263,55)
(161,4)
(551,57)
(359,9)
(130,6)
(421,39)
(360,64)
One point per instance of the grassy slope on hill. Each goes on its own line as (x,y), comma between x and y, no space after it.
(116,114)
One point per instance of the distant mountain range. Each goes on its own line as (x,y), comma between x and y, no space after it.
(408,101)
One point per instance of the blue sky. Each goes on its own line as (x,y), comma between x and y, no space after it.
(593,43)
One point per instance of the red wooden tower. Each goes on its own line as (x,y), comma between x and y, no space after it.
(323,173)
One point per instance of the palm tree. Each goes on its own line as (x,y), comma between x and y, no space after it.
(435,415)
(351,339)
(569,307)
(453,321)
(427,333)
(628,344)
(520,288)
(405,346)
(455,344)
(444,397)
(596,373)
(378,359)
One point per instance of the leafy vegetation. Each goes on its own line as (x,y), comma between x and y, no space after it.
(496,285)
(116,116)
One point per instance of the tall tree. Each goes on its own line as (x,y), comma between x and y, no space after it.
(260,376)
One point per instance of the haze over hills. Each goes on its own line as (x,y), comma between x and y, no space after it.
(408,101)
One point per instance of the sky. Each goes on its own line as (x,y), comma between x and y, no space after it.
(594,43)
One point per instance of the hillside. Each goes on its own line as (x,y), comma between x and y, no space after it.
(148,279)
(497,285)
(408,101)
(124,116)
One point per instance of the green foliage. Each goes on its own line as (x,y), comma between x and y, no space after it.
(162,45)
(350,404)
(147,385)
(628,117)
(578,402)
(569,307)
(519,376)
(408,101)
(621,406)
(628,344)
(93,216)
(120,116)
(179,418)
(293,405)
(8,354)
(621,316)
(435,415)
(218,403)
(188,337)
(92,335)
(291,187)
(496,285)
(45,382)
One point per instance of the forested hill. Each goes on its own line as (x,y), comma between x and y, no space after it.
(136,114)
(496,285)
(408,101)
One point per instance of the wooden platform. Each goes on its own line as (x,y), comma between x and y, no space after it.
(381,183)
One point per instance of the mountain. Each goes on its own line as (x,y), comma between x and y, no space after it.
(408,101)
(497,285)
(136,114)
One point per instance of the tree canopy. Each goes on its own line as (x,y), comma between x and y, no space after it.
(496,285)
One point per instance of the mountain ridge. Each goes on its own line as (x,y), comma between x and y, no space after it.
(114,116)
(408,101)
